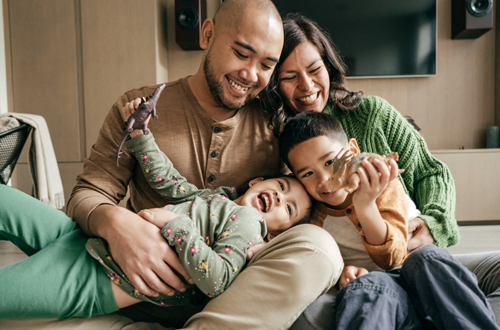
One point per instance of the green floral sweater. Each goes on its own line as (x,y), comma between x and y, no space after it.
(379,128)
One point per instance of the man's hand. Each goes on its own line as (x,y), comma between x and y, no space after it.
(139,249)
(157,216)
(421,234)
(350,273)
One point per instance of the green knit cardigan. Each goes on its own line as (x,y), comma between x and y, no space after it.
(379,128)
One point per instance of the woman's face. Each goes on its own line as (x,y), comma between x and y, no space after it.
(303,79)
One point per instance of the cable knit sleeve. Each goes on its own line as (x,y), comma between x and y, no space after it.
(427,180)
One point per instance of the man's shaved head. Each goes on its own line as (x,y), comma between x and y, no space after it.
(232,11)
(242,46)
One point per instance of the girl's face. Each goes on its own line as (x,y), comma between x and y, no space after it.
(282,201)
(303,79)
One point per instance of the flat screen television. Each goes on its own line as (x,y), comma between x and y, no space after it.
(376,38)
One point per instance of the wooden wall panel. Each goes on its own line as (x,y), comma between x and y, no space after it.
(44,68)
(21,178)
(497,64)
(476,181)
(118,54)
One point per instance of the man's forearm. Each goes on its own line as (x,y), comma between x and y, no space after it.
(101,220)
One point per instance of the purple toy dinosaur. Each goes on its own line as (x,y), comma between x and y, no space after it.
(137,120)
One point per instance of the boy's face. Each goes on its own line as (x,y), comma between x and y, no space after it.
(312,163)
(282,202)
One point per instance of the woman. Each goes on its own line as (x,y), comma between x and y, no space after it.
(311,76)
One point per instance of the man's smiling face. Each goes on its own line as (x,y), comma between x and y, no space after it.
(241,58)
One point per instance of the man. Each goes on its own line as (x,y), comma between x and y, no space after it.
(213,130)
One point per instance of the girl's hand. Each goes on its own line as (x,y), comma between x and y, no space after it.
(350,273)
(128,110)
(374,177)
(158,216)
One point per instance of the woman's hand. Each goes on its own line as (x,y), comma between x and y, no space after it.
(350,273)
(157,216)
(421,234)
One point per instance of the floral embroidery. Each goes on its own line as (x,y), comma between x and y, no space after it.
(207,239)
(145,156)
(180,240)
(227,249)
(160,179)
(115,278)
(193,250)
(234,216)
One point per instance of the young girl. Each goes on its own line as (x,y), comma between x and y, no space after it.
(210,230)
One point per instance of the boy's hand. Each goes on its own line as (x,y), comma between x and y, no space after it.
(158,216)
(128,110)
(350,273)
(374,177)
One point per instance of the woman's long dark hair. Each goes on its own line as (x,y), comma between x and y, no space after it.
(298,29)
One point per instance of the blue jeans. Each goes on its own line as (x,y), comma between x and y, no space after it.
(320,315)
(432,290)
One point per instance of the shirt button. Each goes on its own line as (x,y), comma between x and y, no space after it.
(214,154)
(211,178)
(217,130)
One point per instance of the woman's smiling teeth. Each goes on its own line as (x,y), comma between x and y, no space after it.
(238,87)
(308,99)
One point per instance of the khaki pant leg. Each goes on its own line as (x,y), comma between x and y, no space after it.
(280,281)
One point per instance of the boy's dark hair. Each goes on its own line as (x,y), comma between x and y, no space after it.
(308,125)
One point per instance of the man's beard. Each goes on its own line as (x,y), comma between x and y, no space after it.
(216,88)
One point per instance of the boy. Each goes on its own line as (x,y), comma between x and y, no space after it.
(370,226)
(377,212)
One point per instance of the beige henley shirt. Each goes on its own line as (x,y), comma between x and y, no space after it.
(208,153)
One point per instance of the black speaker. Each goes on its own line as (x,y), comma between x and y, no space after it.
(189,17)
(471,18)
